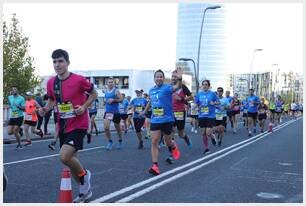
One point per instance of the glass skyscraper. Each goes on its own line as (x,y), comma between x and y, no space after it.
(212,56)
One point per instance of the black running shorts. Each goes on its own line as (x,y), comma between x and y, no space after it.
(116,117)
(180,123)
(221,122)
(31,123)
(252,115)
(165,128)
(16,121)
(206,122)
(138,123)
(73,138)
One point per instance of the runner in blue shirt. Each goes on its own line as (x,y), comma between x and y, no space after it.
(244,109)
(229,112)
(279,109)
(112,98)
(139,104)
(253,102)
(206,101)
(162,116)
(221,115)
(17,106)
(123,109)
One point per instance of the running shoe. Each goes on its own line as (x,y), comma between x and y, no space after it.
(19,147)
(97,133)
(119,146)
(234,131)
(125,131)
(28,143)
(206,151)
(219,143)
(176,153)
(84,189)
(192,129)
(154,170)
(109,145)
(52,146)
(170,159)
(140,146)
(196,131)
(188,142)
(250,133)
(88,138)
(47,133)
(213,139)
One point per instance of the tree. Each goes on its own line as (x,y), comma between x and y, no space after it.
(18,68)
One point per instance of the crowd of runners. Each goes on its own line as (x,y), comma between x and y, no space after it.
(159,114)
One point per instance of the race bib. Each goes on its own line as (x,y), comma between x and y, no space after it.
(194,112)
(236,108)
(261,111)
(109,116)
(179,115)
(219,116)
(204,110)
(158,112)
(138,109)
(251,104)
(66,111)
(14,114)
(28,117)
(278,109)
(245,111)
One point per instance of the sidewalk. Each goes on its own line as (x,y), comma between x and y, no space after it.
(10,139)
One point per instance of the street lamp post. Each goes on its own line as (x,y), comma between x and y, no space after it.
(250,82)
(199,47)
(195,72)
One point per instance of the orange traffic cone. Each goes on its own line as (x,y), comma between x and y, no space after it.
(66,190)
(270,127)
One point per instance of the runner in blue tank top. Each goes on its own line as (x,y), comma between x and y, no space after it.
(123,109)
(206,101)
(112,99)
(139,104)
(162,117)
(252,102)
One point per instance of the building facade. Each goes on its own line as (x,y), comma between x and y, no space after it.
(212,50)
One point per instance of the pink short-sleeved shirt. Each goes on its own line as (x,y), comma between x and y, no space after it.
(73,90)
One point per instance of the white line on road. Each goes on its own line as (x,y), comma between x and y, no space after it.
(157,185)
(137,185)
(48,156)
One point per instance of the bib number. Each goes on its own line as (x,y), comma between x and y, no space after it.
(66,111)
(236,108)
(245,111)
(179,115)
(158,112)
(15,114)
(261,111)
(28,117)
(109,116)
(139,109)
(219,116)
(205,110)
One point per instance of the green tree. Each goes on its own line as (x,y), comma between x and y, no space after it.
(18,68)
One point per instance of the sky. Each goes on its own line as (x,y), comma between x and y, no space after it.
(143,35)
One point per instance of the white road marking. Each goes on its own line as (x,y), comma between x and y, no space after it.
(137,185)
(157,185)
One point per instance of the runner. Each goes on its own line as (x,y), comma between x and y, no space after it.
(56,132)
(286,110)
(30,118)
(139,104)
(244,108)
(253,101)
(112,98)
(179,100)
(279,109)
(272,114)
(235,107)
(123,109)
(67,92)
(130,115)
(17,106)
(221,115)
(162,117)
(229,112)
(262,114)
(148,117)
(47,116)
(40,101)
(293,107)
(206,100)
(194,114)
(93,110)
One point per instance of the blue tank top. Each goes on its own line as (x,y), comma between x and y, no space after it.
(114,107)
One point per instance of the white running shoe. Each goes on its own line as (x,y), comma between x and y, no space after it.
(84,190)
(196,131)
(192,129)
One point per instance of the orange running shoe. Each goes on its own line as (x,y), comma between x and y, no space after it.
(176,153)
(154,170)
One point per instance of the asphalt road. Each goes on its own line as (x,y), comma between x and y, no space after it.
(262,169)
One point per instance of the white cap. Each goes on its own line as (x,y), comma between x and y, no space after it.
(29,94)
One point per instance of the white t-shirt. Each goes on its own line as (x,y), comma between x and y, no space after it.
(293,106)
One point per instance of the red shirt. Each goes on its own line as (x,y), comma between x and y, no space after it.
(73,90)
(179,106)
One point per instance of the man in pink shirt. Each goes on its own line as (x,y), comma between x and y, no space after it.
(67,93)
